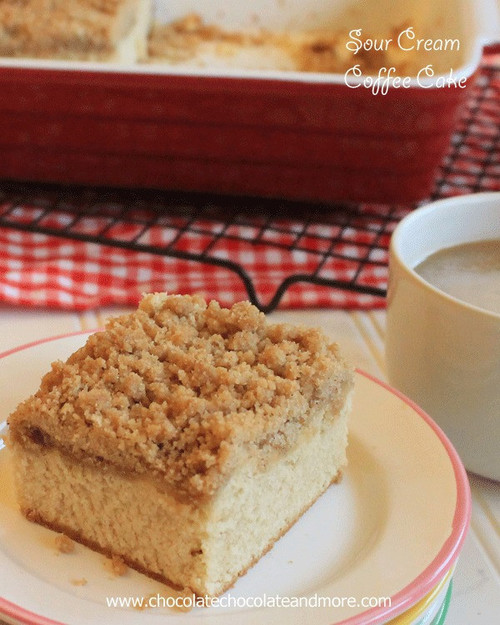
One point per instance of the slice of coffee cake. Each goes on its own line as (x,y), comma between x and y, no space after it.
(101,30)
(184,438)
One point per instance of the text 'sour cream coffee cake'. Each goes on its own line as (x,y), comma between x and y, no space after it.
(185,438)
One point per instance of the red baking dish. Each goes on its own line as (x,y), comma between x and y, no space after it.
(287,134)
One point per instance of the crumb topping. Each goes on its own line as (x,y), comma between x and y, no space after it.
(182,39)
(185,390)
(62,29)
(91,30)
(319,50)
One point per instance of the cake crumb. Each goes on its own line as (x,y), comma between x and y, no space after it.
(79,582)
(184,606)
(64,544)
(118,566)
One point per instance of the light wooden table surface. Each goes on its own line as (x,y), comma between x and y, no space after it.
(476,592)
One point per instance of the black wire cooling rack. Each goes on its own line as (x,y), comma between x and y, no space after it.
(472,163)
(161,222)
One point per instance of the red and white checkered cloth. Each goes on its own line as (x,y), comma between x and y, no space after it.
(45,271)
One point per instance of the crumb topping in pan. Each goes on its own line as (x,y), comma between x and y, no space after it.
(317,50)
(185,390)
(95,30)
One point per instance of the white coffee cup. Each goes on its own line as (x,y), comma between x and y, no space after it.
(442,352)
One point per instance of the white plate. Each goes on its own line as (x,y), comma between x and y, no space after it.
(392,528)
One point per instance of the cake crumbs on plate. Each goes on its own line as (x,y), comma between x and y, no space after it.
(117,565)
(64,544)
(79,582)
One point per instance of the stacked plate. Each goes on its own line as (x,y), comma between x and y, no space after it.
(379,547)
(432,609)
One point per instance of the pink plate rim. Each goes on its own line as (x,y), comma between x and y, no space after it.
(402,600)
